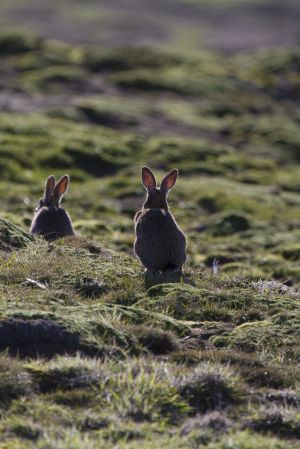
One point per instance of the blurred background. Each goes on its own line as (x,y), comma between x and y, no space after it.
(189,25)
(98,88)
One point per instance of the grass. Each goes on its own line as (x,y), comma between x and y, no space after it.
(208,387)
(90,356)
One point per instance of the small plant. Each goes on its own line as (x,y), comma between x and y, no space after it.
(15,381)
(65,373)
(141,391)
(155,340)
(209,387)
(12,236)
(279,421)
(26,430)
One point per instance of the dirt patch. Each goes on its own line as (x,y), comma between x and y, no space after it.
(200,338)
(37,337)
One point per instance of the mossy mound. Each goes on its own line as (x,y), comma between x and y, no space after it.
(12,236)
(292,253)
(14,43)
(279,335)
(127,58)
(104,328)
(230,224)
(209,387)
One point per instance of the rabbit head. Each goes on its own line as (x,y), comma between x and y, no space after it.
(157,195)
(54,191)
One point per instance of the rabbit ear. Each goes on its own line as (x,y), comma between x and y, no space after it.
(61,187)
(49,186)
(169,180)
(148,178)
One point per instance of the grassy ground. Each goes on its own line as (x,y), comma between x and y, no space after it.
(91,359)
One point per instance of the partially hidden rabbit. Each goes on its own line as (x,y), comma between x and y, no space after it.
(160,244)
(50,220)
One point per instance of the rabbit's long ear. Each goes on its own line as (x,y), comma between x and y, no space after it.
(49,186)
(148,178)
(61,187)
(169,180)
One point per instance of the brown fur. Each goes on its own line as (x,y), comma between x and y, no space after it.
(51,221)
(159,244)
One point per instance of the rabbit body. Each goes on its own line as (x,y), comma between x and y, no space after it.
(159,244)
(51,221)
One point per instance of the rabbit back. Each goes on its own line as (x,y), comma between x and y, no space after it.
(52,223)
(159,244)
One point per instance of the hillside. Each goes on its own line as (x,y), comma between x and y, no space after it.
(91,358)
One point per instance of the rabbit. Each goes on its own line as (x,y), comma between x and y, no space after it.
(50,220)
(160,244)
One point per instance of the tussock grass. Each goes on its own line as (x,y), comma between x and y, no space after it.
(156,340)
(14,380)
(143,392)
(12,237)
(209,386)
(65,373)
(279,421)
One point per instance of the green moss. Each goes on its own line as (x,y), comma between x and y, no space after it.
(65,374)
(254,370)
(12,236)
(128,58)
(193,155)
(14,380)
(112,112)
(17,43)
(278,335)
(236,304)
(192,78)
(278,421)
(247,440)
(26,431)
(143,393)
(51,53)
(231,223)
(54,78)
(209,387)
(274,70)
(156,340)
(292,253)
(180,301)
